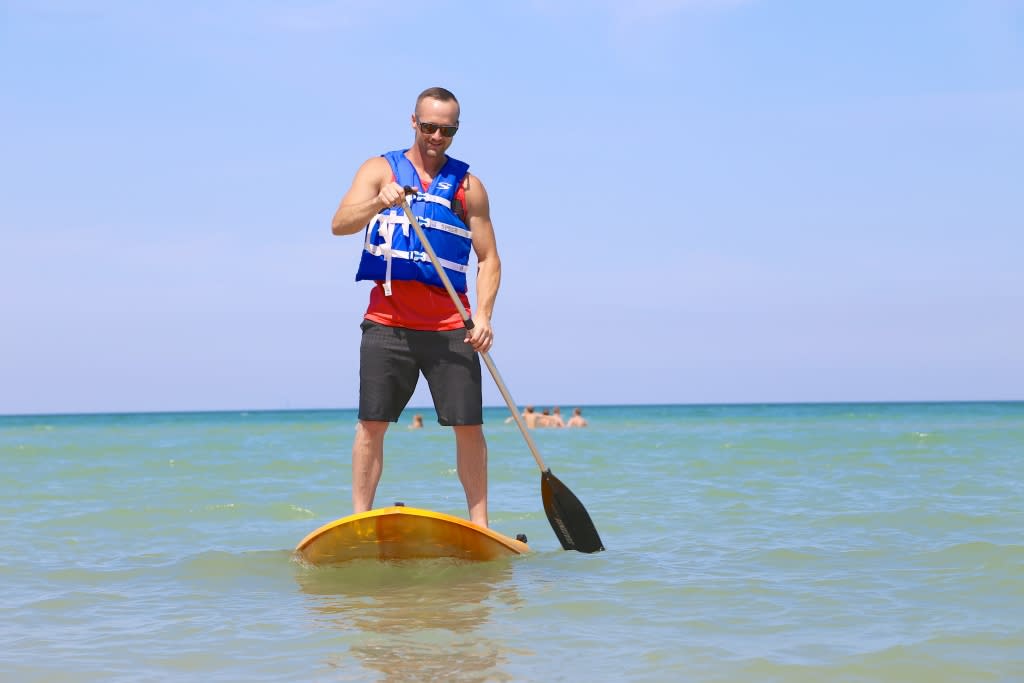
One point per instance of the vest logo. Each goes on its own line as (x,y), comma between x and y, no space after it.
(444,185)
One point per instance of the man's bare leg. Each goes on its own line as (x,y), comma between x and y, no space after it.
(471,457)
(367,463)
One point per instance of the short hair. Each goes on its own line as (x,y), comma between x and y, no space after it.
(438,93)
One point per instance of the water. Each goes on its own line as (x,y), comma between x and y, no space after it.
(856,542)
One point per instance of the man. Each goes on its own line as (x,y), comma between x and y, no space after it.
(411,325)
(555,419)
(577,419)
(530,417)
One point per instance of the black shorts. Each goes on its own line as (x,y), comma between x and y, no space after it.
(390,362)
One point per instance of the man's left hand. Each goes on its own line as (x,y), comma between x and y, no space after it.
(481,336)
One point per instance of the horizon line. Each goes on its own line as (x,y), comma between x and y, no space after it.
(196,411)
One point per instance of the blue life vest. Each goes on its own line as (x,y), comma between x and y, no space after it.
(392,251)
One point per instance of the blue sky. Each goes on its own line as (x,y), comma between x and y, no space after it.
(695,201)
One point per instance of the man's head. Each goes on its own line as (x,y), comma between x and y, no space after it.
(435,121)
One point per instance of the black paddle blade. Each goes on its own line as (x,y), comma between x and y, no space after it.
(568,517)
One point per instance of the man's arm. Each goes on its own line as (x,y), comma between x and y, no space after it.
(371,191)
(488,276)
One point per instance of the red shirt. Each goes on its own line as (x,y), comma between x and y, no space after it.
(414,304)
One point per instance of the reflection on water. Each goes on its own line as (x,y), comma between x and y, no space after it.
(413,621)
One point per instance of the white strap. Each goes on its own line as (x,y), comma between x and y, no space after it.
(429,223)
(388,253)
(386,230)
(446,227)
(387,259)
(424,197)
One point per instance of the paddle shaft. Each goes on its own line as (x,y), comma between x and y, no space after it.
(468,322)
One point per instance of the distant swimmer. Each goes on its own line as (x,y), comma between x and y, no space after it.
(555,419)
(549,419)
(577,419)
(535,420)
(417,422)
(530,417)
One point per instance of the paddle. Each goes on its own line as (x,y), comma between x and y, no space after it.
(568,517)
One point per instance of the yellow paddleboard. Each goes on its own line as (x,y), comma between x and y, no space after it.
(404,533)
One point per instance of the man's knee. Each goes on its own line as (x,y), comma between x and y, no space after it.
(371,429)
(469,434)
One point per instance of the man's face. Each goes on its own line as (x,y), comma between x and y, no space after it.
(443,115)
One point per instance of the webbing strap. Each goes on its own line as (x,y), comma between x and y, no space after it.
(424,197)
(388,253)
(426,223)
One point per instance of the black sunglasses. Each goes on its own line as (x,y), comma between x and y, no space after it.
(431,128)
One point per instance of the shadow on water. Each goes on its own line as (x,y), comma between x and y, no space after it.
(416,620)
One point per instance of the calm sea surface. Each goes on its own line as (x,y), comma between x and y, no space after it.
(861,542)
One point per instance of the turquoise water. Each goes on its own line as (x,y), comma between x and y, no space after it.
(861,542)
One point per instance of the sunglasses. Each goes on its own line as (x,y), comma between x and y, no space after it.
(431,128)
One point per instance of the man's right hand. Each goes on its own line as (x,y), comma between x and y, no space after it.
(372,189)
(390,195)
